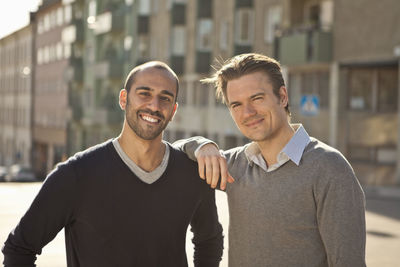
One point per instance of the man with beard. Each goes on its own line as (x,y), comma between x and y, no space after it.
(128,201)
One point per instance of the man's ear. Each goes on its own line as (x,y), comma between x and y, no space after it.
(123,95)
(174,111)
(283,96)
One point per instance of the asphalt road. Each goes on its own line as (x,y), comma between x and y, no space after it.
(383,225)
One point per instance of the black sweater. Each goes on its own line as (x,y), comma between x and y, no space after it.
(112,218)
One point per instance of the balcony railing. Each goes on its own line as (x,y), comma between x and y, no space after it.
(306,46)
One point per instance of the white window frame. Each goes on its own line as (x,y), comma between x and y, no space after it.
(178,40)
(238,26)
(273,18)
(224,35)
(204,31)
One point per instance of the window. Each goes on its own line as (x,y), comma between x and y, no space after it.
(326,14)
(272,22)
(68,34)
(40,26)
(46,54)
(59,51)
(230,141)
(200,96)
(317,83)
(40,56)
(244,26)
(60,16)
(67,51)
(92,8)
(360,87)
(53,19)
(52,53)
(67,13)
(46,23)
(178,41)
(223,35)
(387,89)
(144,7)
(204,35)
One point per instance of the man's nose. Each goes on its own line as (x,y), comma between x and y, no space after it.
(248,110)
(154,104)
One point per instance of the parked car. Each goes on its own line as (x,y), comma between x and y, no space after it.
(18,173)
(3,173)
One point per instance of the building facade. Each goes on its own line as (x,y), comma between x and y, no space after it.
(340,61)
(16,97)
(51,112)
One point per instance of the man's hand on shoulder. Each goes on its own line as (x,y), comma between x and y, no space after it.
(212,165)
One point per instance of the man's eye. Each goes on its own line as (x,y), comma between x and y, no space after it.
(257,98)
(235,105)
(164,98)
(144,93)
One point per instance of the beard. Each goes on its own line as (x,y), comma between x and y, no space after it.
(142,129)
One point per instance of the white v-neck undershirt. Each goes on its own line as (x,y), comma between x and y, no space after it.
(147,177)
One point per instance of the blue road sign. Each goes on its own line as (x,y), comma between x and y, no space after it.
(309,105)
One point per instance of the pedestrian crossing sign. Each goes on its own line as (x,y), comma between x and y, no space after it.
(309,105)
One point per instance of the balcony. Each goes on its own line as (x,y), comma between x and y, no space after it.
(143,24)
(116,68)
(75,104)
(177,64)
(304,47)
(178,14)
(242,49)
(77,69)
(109,21)
(203,61)
(80,30)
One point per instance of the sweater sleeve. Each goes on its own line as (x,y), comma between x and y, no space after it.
(190,145)
(341,214)
(49,212)
(207,232)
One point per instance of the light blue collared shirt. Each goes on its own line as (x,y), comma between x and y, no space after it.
(293,150)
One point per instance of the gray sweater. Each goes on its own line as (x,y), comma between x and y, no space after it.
(307,215)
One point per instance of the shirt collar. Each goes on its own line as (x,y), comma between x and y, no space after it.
(293,150)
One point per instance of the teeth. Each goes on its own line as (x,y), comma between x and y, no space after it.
(149,119)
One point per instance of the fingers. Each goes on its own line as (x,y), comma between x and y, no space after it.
(201,165)
(224,173)
(230,179)
(215,171)
(209,170)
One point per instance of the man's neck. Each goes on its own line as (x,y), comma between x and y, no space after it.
(271,147)
(147,154)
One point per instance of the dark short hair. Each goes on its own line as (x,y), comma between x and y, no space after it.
(151,64)
(243,64)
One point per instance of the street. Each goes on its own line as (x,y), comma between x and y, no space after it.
(383,225)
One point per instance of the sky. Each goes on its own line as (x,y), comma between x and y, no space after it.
(14,14)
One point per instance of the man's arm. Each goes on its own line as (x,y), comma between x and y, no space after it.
(207,232)
(50,211)
(341,216)
(211,162)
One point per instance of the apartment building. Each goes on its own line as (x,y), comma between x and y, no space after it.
(340,62)
(16,97)
(51,112)
(367,57)
(200,34)
(106,54)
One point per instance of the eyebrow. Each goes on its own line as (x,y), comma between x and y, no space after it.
(165,92)
(251,97)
